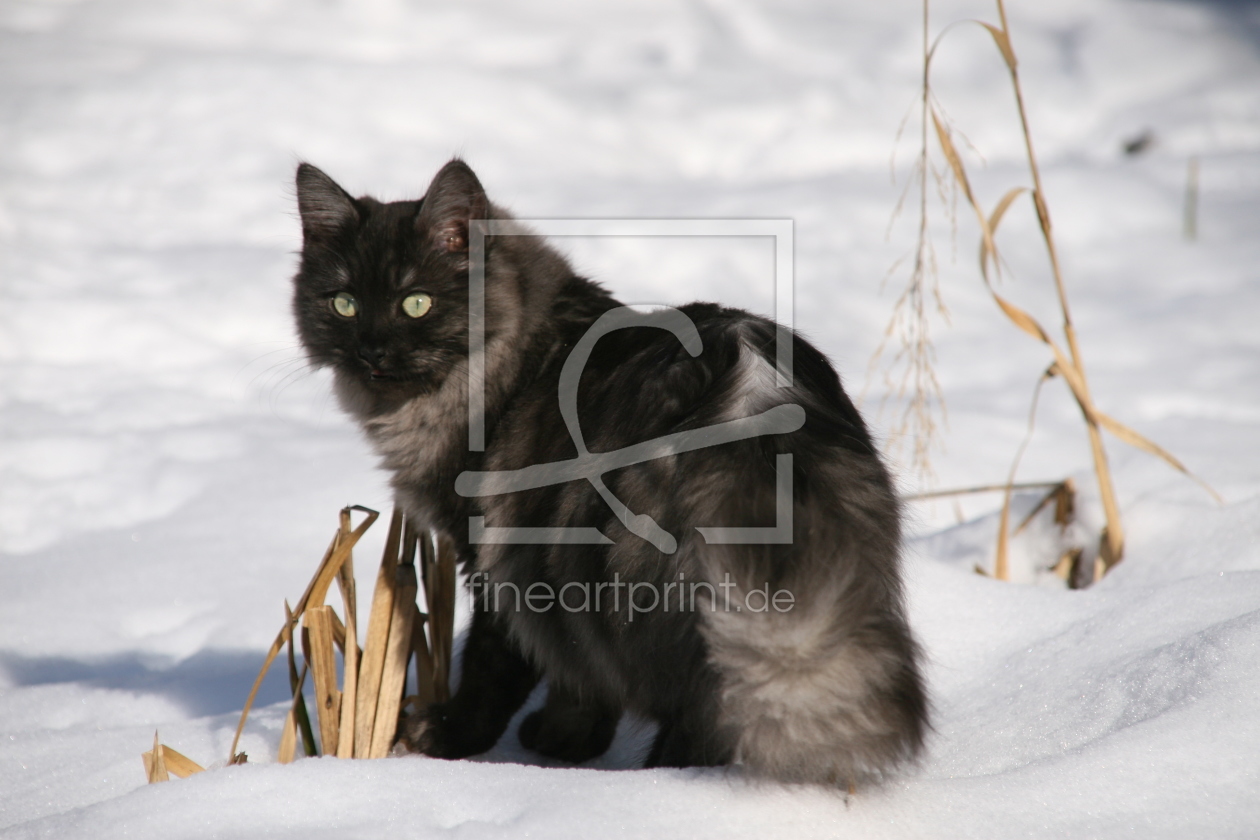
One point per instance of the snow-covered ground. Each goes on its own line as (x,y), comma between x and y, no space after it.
(169,471)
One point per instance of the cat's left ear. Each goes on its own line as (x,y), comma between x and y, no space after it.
(324,206)
(454,197)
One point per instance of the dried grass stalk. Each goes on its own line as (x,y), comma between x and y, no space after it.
(318,624)
(350,652)
(917,384)
(398,650)
(1067,364)
(154,762)
(1063,495)
(337,554)
(425,690)
(374,647)
(439,588)
(288,739)
(1069,568)
(178,764)
(162,762)
(361,719)
(338,632)
(982,488)
(1001,565)
(300,718)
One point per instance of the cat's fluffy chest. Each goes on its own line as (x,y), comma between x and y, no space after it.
(421,443)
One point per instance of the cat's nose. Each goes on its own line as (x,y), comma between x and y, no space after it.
(372,354)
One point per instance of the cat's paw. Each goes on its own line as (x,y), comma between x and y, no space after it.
(438,731)
(574,736)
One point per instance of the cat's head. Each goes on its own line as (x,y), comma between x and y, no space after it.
(382,292)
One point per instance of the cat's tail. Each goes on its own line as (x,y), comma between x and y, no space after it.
(819,673)
(822,692)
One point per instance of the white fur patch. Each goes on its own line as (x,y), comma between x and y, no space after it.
(756,385)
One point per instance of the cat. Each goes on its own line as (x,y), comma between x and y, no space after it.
(790,657)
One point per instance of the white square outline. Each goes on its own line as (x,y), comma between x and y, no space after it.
(478,229)
(784,315)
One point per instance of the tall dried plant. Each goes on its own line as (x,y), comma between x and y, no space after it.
(910,375)
(909,321)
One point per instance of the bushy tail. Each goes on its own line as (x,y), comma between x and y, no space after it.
(827,692)
(828,689)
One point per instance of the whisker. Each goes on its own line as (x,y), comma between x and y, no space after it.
(290,379)
(286,366)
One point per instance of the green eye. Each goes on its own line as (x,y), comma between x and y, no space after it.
(345,304)
(417,305)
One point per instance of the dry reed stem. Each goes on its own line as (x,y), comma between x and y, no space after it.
(917,384)
(301,720)
(1111,548)
(288,740)
(1068,567)
(1001,565)
(375,677)
(336,555)
(154,762)
(288,735)
(171,762)
(308,738)
(308,663)
(1064,497)
(425,680)
(981,488)
(441,600)
(338,632)
(350,652)
(1062,493)
(1069,365)
(297,711)
(374,647)
(398,651)
(318,623)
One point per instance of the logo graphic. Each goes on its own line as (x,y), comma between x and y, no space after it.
(592,466)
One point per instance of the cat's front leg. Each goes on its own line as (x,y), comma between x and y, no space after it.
(495,682)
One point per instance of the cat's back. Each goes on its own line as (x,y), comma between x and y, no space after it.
(647,379)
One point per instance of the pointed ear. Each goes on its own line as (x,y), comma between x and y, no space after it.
(454,197)
(325,207)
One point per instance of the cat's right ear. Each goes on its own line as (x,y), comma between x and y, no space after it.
(454,197)
(324,206)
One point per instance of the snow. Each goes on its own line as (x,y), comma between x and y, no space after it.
(170,471)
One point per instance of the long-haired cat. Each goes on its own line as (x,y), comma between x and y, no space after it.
(786,652)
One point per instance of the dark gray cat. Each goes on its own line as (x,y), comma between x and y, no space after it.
(786,652)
